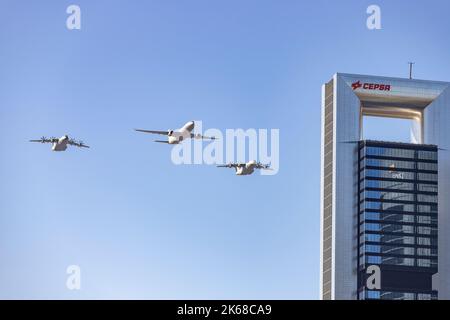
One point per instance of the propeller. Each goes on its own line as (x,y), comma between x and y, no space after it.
(43,139)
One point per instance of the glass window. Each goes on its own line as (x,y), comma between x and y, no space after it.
(389,195)
(423,241)
(432,208)
(386,216)
(427,155)
(427,187)
(397,295)
(372,205)
(424,263)
(427,166)
(372,237)
(426,251)
(389,227)
(372,226)
(388,239)
(397,217)
(373,294)
(371,216)
(373,259)
(397,239)
(398,250)
(427,230)
(390,152)
(392,174)
(392,164)
(397,207)
(387,206)
(387,249)
(427,198)
(398,261)
(371,248)
(424,296)
(397,228)
(427,219)
(389,185)
(427,176)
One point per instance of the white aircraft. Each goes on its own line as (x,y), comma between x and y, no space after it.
(61,143)
(243,169)
(178,135)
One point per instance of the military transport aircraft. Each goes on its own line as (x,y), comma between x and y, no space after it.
(243,169)
(60,144)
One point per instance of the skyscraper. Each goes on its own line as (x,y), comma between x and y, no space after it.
(384,205)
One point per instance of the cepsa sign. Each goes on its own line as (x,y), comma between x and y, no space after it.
(371,86)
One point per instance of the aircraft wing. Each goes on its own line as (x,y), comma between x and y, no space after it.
(231,165)
(263,166)
(153,131)
(79,144)
(45,140)
(199,136)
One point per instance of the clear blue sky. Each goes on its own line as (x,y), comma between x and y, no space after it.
(137,225)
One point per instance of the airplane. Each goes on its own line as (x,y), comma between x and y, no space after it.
(61,143)
(243,169)
(178,135)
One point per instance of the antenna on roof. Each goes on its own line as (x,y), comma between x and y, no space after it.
(410,69)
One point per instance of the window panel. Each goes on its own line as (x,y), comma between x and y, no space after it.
(427,176)
(390,152)
(424,241)
(394,174)
(427,166)
(427,155)
(427,231)
(427,187)
(388,185)
(389,195)
(427,198)
(427,219)
(394,164)
(432,208)
(398,261)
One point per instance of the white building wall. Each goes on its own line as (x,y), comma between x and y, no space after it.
(322,165)
(437,131)
(346,135)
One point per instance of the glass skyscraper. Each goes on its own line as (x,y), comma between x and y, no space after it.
(397,221)
(385,206)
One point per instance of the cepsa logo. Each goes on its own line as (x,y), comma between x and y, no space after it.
(371,86)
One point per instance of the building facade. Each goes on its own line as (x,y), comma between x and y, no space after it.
(397,221)
(377,239)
